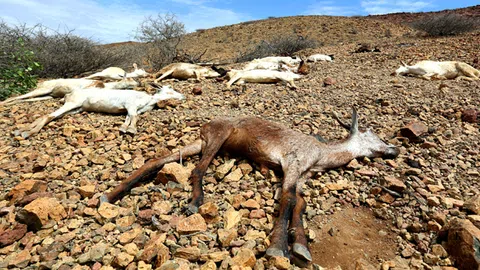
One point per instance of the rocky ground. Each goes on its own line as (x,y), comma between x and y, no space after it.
(386,214)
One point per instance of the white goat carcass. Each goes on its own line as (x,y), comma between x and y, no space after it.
(60,87)
(185,71)
(320,57)
(116,73)
(279,60)
(262,76)
(438,70)
(107,101)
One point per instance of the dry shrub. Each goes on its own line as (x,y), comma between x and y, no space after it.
(163,35)
(449,24)
(61,55)
(278,46)
(65,55)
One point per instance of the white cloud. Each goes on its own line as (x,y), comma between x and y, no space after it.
(110,21)
(329,8)
(392,6)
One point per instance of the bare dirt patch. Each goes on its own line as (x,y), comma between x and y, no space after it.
(350,235)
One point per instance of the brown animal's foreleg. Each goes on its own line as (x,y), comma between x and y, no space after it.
(300,245)
(216,137)
(149,170)
(279,239)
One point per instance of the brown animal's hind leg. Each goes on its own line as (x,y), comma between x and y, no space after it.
(279,239)
(300,245)
(148,171)
(215,136)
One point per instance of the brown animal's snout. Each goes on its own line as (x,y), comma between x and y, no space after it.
(391,152)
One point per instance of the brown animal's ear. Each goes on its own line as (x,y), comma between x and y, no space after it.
(354,127)
(345,126)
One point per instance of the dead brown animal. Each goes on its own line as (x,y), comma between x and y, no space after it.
(296,155)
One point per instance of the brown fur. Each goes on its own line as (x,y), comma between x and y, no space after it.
(272,146)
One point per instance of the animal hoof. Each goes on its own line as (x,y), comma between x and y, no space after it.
(302,252)
(132,131)
(103,199)
(274,252)
(190,209)
(123,129)
(25,134)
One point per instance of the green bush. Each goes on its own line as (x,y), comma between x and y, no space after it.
(449,24)
(17,70)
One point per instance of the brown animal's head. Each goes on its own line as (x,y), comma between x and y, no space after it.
(364,142)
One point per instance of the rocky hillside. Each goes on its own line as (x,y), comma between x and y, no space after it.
(408,213)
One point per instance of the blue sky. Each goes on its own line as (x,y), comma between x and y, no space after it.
(116,20)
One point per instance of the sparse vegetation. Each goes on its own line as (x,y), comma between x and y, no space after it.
(279,46)
(163,35)
(445,24)
(17,69)
(60,54)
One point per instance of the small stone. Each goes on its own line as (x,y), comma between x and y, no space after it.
(38,213)
(244,258)
(470,116)
(10,236)
(108,210)
(414,130)
(395,184)
(175,172)
(329,81)
(433,201)
(208,210)
(462,243)
(225,237)
(25,188)
(191,224)
(123,259)
(224,169)
(254,235)
(231,218)
(197,90)
(145,216)
(209,265)
(439,251)
(250,204)
(234,176)
(473,205)
(189,253)
(257,214)
(87,191)
(22,259)
(128,236)
(281,263)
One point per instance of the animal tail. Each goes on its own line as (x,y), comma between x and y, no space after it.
(149,170)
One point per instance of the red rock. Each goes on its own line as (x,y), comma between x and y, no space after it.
(197,90)
(257,213)
(329,81)
(26,187)
(462,243)
(395,184)
(9,236)
(30,198)
(414,130)
(145,216)
(470,116)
